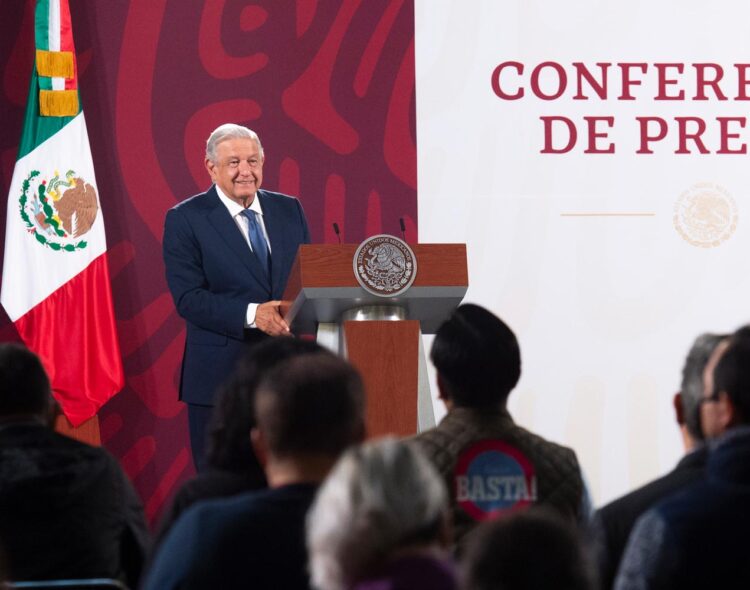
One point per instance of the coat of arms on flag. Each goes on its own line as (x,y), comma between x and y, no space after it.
(58,211)
(55,284)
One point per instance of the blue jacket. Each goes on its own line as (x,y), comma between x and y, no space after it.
(213,276)
(697,538)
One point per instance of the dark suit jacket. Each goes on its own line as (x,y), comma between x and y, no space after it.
(213,483)
(213,276)
(254,540)
(67,510)
(614,522)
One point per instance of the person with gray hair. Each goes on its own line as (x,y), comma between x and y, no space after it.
(229,131)
(381,521)
(227,256)
(613,523)
(698,538)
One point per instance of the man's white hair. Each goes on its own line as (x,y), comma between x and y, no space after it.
(229,131)
(380,497)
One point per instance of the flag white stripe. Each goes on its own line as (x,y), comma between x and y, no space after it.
(53,35)
(53,38)
(31,271)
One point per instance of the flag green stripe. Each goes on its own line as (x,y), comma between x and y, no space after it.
(37,129)
(41,24)
(41,35)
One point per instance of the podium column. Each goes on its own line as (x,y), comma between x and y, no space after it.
(386,353)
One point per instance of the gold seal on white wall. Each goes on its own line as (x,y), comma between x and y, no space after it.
(705,215)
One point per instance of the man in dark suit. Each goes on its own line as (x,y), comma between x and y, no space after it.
(697,538)
(490,464)
(613,523)
(309,409)
(228,253)
(67,509)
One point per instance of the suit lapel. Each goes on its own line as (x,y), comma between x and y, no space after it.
(227,229)
(275,230)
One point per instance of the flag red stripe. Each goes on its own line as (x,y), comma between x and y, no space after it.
(73,332)
(66,41)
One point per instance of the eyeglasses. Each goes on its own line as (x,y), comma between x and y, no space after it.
(713,398)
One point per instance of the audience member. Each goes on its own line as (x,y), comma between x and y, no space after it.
(66,508)
(697,538)
(530,550)
(490,464)
(613,523)
(380,522)
(308,411)
(231,464)
(3,568)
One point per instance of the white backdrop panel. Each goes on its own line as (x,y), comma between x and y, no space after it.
(605,307)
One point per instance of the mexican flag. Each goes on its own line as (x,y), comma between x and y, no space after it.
(55,284)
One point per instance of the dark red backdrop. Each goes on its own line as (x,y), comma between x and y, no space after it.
(329,87)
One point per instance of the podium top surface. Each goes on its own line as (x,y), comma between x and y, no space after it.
(322,285)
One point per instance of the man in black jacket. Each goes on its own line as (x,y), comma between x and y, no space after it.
(613,523)
(308,410)
(67,510)
(491,465)
(697,538)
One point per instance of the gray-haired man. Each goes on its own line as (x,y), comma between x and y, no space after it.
(228,253)
(613,523)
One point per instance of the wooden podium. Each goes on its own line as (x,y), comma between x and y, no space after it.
(381,336)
